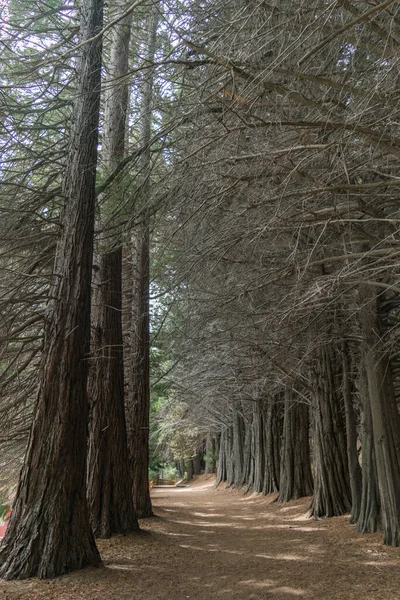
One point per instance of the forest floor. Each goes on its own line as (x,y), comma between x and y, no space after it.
(207,544)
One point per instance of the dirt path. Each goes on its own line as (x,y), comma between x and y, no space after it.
(211,544)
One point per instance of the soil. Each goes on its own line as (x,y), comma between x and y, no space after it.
(207,544)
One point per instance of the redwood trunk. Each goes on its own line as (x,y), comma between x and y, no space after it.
(237,448)
(138,413)
(190,469)
(109,481)
(369,514)
(258,449)
(273,440)
(210,454)
(197,464)
(49,533)
(230,467)
(247,454)
(295,477)
(332,495)
(384,417)
(139,400)
(351,436)
(110,478)
(221,468)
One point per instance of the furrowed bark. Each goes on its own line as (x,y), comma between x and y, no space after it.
(295,476)
(138,408)
(351,437)
(110,478)
(332,495)
(384,416)
(369,515)
(49,532)
(273,439)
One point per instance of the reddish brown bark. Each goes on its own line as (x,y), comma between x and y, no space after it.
(295,475)
(332,495)
(49,532)
(110,478)
(385,418)
(109,481)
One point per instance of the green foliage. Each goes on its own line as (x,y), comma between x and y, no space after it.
(173,436)
(210,458)
(163,470)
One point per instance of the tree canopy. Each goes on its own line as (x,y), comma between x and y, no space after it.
(237,239)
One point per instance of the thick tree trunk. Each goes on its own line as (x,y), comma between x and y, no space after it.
(109,477)
(190,469)
(138,408)
(252,451)
(221,468)
(49,533)
(210,455)
(295,477)
(197,464)
(247,457)
(230,465)
(237,448)
(258,449)
(369,515)
(351,436)
(116,94)
(384,416)
(332,495)
(273,441)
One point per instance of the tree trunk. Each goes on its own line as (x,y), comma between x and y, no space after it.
(369,515)
(237,447)
(138,409)
(351,436)
(258,448)
(116,94)
(295,476)
(139,401)
(190,469)
(49,532)
(197,464)
(273,440)
(247,458)
(210,455)
(384,415)
(221,469)
(230,465)
(332,495)
(109,477)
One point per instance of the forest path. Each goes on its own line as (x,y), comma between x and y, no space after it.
(208,544)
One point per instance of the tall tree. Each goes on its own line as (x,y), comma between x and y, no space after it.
(110,499)
(138,407)
(385,416)
(35,112)
(49,533)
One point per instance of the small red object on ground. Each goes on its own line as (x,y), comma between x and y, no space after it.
(3,529)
